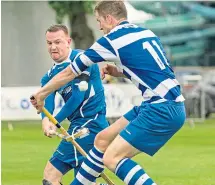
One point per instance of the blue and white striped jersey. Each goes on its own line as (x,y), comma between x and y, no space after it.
(138,53)
(87,105)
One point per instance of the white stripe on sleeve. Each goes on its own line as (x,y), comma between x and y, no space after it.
(103,52)
(71,67)
(86,60)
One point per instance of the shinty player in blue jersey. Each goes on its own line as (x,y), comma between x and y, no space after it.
(82,108)
(139,56)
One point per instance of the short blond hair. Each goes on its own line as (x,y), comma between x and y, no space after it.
(58,27)
(115,8)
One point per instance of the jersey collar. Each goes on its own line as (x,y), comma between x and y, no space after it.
(123,22)
(120,25)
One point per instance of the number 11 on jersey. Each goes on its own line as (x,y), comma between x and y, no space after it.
(151,50)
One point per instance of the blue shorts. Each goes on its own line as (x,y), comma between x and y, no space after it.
(66,157)
(152,125)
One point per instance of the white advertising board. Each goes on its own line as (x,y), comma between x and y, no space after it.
(15,104)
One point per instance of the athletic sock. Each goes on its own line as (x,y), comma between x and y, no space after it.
(90,169)
(132,173)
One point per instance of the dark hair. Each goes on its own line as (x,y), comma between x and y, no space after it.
(115,8)
(58,27)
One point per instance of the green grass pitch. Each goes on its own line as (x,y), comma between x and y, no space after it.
(187,159)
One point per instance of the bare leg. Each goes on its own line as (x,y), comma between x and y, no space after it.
(52,175)
(106,136)
(118,150)
(93,165)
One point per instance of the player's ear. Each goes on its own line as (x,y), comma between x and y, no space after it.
(69,40)
(108,18)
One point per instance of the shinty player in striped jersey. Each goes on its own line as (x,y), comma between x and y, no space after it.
(139,56)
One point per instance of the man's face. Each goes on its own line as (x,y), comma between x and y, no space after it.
(105,23)
(58,44)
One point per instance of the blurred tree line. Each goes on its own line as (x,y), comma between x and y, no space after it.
(76,11)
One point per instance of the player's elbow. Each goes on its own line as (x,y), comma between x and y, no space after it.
(68,73)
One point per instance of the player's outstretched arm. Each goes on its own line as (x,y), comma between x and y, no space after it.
(98,52)
(55,83)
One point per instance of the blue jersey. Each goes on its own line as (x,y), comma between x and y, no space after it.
(138,53)
(86,105)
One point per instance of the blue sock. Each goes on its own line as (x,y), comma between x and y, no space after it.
(131,173)
(90,169)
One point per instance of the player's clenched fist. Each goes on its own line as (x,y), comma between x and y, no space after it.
(37,102)
(110,70)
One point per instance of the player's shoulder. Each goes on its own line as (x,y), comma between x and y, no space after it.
(122,29)
(46,77)
(49,73)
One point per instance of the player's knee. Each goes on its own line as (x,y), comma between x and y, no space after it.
(101,142)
